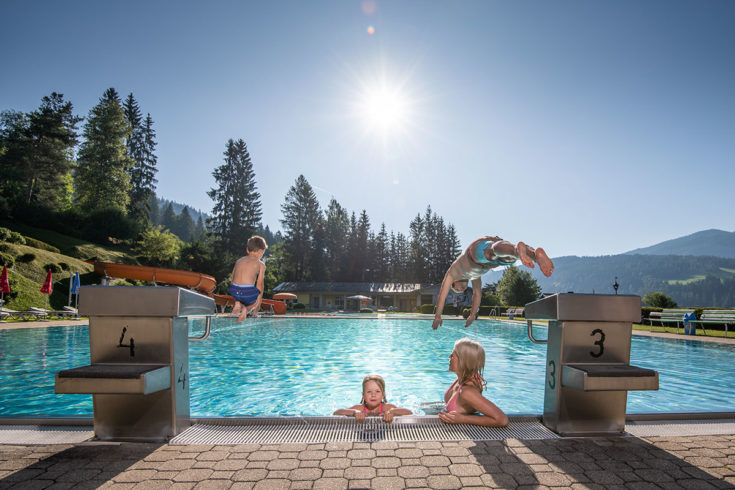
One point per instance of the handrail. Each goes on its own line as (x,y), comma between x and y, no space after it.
(207,330)
(530,334)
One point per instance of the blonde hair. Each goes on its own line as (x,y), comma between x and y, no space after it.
(256,243)
(378,379)
(470,361)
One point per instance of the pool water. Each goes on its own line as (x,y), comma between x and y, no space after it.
(313,366)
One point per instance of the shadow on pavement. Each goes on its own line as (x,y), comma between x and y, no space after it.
(82,466)
(603,461)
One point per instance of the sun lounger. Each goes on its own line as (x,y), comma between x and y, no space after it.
(26,315)
(67,312)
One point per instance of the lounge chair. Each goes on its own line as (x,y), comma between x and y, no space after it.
(24,315)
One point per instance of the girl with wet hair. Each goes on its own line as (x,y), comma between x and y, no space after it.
(464,401)
(373,402)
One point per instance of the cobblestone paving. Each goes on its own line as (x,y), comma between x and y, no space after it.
(619,463)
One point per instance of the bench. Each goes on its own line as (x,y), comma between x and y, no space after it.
(668,316)
(720,317)
(513,312)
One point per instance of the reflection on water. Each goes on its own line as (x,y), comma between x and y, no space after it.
(313,366)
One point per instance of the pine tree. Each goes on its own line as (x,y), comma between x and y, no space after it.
(186,225)
(102,178)
(381,265)
(337,227)
(169,218)
(38,154)
(236,213)
(301,216)
(199,229)
(140,145)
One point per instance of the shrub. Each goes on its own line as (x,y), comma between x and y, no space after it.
(54,268)
(365,310)
(466,313)
(659,299)
(4,247)
(299,306)
(427,309)
(32,242)
(64,266)
(26,258)
(11,236)
(6,259)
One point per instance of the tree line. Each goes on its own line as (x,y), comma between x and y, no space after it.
(101,182)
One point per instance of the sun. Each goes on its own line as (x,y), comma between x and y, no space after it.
(385,109)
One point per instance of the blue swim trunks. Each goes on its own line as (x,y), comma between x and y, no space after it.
(245,294)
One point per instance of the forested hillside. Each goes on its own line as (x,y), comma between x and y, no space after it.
(716,243)
(689,280)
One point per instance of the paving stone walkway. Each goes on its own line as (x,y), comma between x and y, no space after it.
(608,462)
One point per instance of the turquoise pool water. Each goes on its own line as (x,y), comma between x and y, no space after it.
(304,366)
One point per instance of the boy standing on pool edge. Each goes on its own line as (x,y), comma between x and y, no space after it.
(248,271)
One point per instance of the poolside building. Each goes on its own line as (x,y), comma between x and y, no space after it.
(383,295)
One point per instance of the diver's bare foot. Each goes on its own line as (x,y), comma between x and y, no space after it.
(523,255)
(544,262)
(243,315)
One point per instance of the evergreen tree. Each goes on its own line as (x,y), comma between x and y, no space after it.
(362,248)
(169,218)
(237,212)
(38,154)
(517,287)
(417,254)
(381,265)
(185,228)
(102,178)
(301,216)
(337,227)
(155,211)
(140,145)
(199,229)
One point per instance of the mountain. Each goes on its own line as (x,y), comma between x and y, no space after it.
(715,243)
(695,270)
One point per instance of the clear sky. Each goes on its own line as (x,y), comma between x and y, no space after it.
(585,127)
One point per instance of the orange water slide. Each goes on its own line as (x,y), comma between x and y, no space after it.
(279,307)
(193,280)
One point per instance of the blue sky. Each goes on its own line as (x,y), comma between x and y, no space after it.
(585,127)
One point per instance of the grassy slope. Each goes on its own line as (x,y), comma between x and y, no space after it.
(26,278)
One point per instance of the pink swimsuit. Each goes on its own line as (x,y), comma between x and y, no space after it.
(364,409)
(452,402)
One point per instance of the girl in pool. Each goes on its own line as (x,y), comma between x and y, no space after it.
(373,402)
(464,398)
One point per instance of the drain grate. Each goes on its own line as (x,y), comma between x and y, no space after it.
(341,429)
(38,434)
(681,428)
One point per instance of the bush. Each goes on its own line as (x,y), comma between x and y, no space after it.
(26,258)
(32,242)
(54,268)
(299,306)
(659,299)
(427,309)
(64,266)
(4,247)
(11,236)
(466,313)
(6,259)
(365,310)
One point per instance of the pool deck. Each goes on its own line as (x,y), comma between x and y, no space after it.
(621,462)
(595,462)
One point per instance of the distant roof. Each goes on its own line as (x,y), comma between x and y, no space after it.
(347,287)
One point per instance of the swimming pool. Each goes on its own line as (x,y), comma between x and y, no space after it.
(312,366)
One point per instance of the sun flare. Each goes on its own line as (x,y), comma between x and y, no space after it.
(384,109)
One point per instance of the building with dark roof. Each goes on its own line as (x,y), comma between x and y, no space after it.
(383,295)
